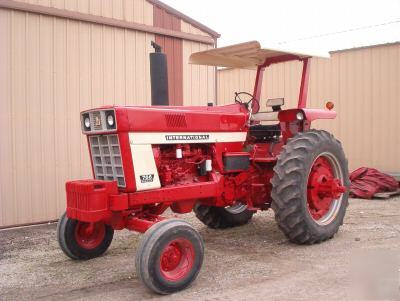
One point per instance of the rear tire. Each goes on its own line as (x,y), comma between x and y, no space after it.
(77,243)
(306,215)
(221,218)
(169,256)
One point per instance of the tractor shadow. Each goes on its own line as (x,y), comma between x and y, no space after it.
(261,233)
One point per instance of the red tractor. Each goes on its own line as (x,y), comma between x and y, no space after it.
(222,162)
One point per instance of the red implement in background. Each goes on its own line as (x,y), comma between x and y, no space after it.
(365,182)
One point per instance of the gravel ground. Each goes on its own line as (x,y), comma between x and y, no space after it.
(252,262)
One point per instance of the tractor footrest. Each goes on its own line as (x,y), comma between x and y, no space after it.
(93,200)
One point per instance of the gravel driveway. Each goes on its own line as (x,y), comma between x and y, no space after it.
(252,262)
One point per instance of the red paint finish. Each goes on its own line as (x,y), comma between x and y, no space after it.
(314,114)
(89,235)
(240,171)
(193,119)
(182,184)
(185,180)
(87,200)
(173,48)
(257,88)
(323,188)
(304,84)
(177,259)
(141,222)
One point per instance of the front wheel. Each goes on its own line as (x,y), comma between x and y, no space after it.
(169,256)
(310,187)
(81,240)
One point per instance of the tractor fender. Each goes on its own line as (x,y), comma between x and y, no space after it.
(309,114)
(314,114)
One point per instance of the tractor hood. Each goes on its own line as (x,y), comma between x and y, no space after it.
(175,119)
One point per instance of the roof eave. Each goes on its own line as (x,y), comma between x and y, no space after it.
(185,18)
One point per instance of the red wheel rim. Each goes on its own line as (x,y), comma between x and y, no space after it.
(177,259)
(324,189)
(89,235)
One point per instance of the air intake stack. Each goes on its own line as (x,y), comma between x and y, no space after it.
(159,76)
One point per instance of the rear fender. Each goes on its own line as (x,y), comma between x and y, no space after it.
(309,114)
(315,114)
(291,125)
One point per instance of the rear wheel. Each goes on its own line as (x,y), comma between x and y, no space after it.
(81,240)
(223,217)
(309,187)
(169,256)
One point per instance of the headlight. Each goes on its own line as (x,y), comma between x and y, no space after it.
(87,122)
(110,120)
(299,116)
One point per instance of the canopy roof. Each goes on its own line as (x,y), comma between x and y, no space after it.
(249,54)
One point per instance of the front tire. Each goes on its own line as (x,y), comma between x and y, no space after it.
(80,240)
(221,218)
(310,187)
(169,256)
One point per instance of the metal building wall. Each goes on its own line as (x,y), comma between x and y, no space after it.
(139,11)
(198,81)
(363,84)
(50,69)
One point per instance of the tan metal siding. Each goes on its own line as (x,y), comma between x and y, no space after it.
(6,150)
(363,84)
(198,81)
(51,68)
(139,11)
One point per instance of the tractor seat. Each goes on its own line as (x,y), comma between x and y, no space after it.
(265,133)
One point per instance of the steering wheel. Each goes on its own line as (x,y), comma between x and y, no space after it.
(255,105)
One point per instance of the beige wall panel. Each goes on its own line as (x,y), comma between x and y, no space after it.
(60,4)
(22,204)
(6,147)
(52,69)
(118,9)
(363,84)
(95,7)
(130,66)
(47,116)
(64,74)
(198,81)
(233,80)
(189,28)
(107,8)
(108,63)
(139,11)
(85,100)
(119,66)
(34,168)
(83,6)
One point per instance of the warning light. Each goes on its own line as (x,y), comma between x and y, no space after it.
(329,105)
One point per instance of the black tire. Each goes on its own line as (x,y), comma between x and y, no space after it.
(289,187)
(220,217)
(152,248)
(67,240)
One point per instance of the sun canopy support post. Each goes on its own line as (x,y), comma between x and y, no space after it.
(304,77)
(304,84)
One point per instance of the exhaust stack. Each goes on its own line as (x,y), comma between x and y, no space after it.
(159,76)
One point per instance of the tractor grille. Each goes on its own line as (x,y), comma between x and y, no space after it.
(107,160)
(96,121)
